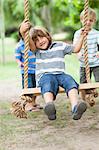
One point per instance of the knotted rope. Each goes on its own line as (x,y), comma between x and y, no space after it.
(26,40)
(90,97)
(87,68)
(18,107)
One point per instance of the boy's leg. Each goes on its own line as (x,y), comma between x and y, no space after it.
(71,88)
(49,108)
(96,73)
(78,107)
(83,80)
(49,89)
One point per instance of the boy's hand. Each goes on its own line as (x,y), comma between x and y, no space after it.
(25,25)
(20,64)
(97,55)
(84,32)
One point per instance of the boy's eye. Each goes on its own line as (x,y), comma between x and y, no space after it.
(91,20)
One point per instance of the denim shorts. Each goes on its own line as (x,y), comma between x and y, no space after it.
(31,81)
(51,83)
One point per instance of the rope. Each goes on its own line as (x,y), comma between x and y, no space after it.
(87,68)
(18,107)
(26,40)
(89,97)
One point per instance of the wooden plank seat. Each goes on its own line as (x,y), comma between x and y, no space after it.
(37,91)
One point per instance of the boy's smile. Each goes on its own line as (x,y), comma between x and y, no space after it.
(42,42)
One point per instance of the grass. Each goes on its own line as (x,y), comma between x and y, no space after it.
(20,131)
(9,71)
(9,46)
(10,124)
(72,66)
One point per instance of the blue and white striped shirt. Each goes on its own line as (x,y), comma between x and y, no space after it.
(52,59)
(19,54)
(92,42)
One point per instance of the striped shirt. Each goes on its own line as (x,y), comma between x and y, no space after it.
(92,43)
(52,59)
(19,54)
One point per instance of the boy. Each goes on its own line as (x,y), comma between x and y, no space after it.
(93,47)
(50,70)
(19,55)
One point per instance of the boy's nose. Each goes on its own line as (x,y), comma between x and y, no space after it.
(88,22)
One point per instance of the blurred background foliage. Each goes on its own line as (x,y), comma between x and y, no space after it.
(56,15)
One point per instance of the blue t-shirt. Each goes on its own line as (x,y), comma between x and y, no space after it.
(19,54)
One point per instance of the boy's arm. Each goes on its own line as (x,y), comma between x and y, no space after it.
(20,64)
(18,57)
(79,42)
(97,55)
(23,28)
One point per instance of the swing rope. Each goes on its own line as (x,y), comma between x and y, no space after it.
(90,97)
(18,107)
(26,40)
(87,68)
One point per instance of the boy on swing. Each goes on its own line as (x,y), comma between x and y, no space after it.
(50,69)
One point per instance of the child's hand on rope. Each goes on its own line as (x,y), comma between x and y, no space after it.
(25,26)
(84,32)
(21,64)
(97,55)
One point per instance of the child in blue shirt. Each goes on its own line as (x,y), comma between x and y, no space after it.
(19,55)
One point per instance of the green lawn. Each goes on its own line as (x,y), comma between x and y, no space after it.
(72,66)
(9,46)
(9,71)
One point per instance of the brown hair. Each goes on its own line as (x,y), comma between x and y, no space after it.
(39,31)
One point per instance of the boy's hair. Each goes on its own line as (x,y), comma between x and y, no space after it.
(91,13)
(39,31)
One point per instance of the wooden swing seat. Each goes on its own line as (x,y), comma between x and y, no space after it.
(37,91)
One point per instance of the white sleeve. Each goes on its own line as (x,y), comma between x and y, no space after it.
(76,37)
(98,38)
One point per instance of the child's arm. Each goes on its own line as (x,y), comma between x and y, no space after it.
(80,55)
(20,64)
(97,55)
(79,43)
(23,28)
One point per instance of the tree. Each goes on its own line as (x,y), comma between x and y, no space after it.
(60,14)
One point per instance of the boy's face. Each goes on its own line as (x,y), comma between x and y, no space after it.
(90,22)
(42,42)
